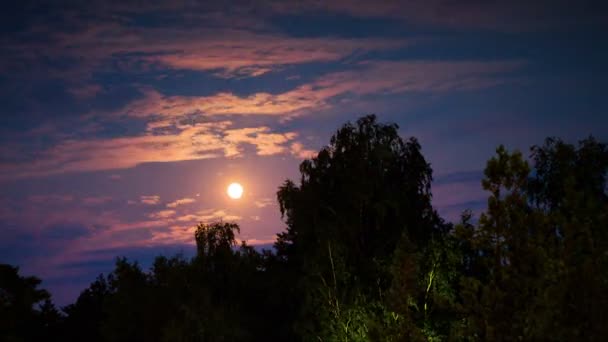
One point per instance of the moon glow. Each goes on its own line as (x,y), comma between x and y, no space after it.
(234,191)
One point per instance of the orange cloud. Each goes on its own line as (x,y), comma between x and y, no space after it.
(198,141)
(241,53)
(173,234)
(371,77)
(151,200)
(168,107)
(263,202)
(163,214)
(209,215)
(180,201)
(222,50)
(298,150)
(219,139)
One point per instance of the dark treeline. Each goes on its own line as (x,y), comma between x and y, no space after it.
(365,257)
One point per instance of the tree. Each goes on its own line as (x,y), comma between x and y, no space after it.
(569,186)
(542,237)
(85,316)
(362,211)
(498,296)
(26,312)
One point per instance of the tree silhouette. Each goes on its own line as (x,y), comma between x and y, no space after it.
(26,312)
(361,213)
(536,260)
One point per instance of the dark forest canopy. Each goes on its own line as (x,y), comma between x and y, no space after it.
(365,257)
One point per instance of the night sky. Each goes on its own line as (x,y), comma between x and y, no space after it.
(123,122)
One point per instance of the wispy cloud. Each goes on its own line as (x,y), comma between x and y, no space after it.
(198,141)
(240,53)
(224,51)
(180,201)
(209,215)
(155,104)
(370,77)
(298,149)
(190,141)
(162,214)
(263,202)
(150,199)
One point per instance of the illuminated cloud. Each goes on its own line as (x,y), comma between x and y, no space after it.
(162,214)
(298,150)
(174,234)
(219,139)
(263,202)
(150,200)
(210,215)
(198,141)
(224,51)
(241,53)
(255,242)
(266,143)
(180,201)
(155,104)
(370,77)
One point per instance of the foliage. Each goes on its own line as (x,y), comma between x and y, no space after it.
(26,312)
(365,257)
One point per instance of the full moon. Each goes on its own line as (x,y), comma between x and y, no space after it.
(235,190)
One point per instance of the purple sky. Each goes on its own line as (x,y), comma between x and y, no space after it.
(123,122)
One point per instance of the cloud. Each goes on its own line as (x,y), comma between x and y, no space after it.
(225,51)
(266,143)
(170,139)
(259,242)
(246,54)
(151,200)
(180,201)
(263,202)
(298,150)
(174,234)
(190,142)
(368,77)
(209,215)
(391,77)
(163,214)
(154,104)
